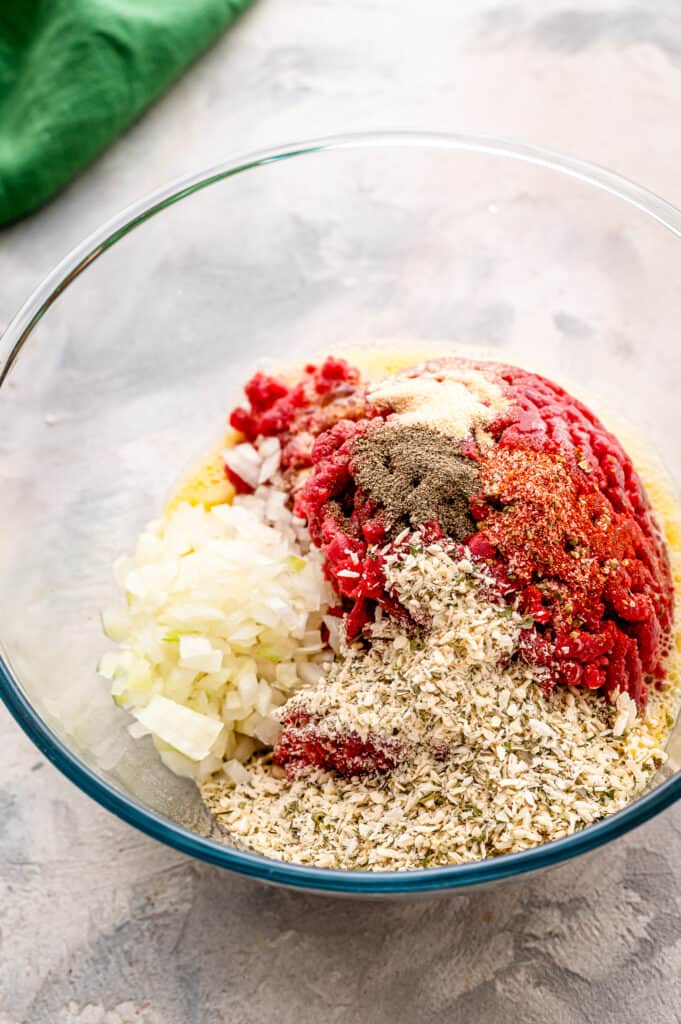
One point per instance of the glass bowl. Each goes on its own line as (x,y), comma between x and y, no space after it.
(122,365)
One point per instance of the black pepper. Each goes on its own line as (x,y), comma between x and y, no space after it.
(416,475)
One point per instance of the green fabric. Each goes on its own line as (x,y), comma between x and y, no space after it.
(74,73)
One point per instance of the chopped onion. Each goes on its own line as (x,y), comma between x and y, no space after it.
(197,652)
(244,460)
(335,628)
(178,763)
(267,730)
(235,772)
(245,746)
(309,672)
(187,731)
(222,622)
(108,664)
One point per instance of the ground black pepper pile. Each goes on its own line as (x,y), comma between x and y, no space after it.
(416,475)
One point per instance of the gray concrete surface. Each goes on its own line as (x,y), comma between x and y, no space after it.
(99,925)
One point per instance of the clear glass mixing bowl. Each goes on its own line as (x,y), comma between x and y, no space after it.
(123,363)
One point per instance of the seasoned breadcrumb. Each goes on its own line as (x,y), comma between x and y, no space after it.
(492,763)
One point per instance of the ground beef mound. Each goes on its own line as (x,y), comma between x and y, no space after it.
(298,413)
(559,516)
(563,514)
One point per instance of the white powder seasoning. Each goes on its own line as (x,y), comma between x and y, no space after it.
(456,400)
(490,762)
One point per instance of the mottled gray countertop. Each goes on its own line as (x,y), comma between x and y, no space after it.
(100,925)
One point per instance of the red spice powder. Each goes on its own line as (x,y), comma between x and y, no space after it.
(586,573)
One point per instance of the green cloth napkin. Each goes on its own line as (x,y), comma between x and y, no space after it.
(75,73)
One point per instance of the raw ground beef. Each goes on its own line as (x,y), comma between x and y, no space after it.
(585,554)
(305,742)
(298,413)
(562,520)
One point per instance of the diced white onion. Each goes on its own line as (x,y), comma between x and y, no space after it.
(244,460)
(335,627)
(235,772)
(222,622)
(267,730)
(197,652)
(189,732)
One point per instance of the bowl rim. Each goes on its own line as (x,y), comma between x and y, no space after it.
(155,825)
